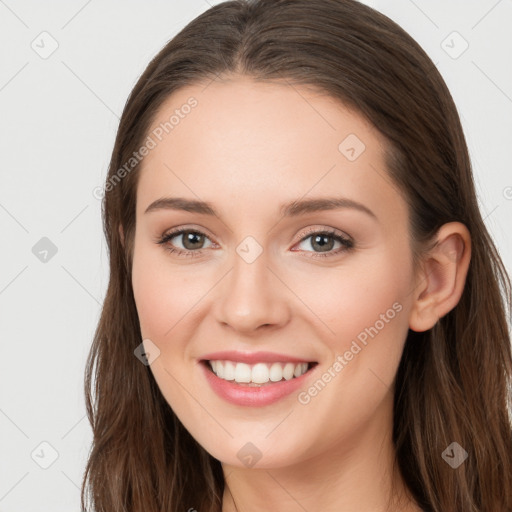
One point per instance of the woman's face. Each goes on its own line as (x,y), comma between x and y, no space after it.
(260,277)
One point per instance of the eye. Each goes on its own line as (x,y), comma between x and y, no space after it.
(192,241)
(324,241)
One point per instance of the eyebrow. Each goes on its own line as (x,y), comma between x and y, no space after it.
(291,209)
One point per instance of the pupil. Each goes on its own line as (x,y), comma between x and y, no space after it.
(189,238)
(323,246)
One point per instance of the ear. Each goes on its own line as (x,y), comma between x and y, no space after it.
(121,234)
(441,281)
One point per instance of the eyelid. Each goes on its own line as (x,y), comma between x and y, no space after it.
(178,230)
(324,229)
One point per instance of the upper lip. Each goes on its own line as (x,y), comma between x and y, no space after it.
(253,357)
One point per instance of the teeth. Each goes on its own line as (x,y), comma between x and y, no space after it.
(229,370)
(276,372)
(242,372)
(259,373)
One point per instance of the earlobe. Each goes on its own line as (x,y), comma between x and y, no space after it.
(443,276)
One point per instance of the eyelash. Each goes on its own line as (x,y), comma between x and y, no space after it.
(347,243)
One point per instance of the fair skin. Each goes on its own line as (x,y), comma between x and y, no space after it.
(247,148)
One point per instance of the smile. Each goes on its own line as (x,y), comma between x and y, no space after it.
(255,382)
(259,373)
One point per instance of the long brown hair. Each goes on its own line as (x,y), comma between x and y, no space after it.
(453,382)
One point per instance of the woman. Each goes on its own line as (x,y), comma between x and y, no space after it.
(305,310)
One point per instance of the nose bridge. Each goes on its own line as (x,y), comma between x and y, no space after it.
(251,295)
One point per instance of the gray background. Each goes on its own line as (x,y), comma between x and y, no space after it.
(58,116)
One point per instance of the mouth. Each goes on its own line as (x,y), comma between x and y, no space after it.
(258,374)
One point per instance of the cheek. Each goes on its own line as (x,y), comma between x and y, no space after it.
(152,299)
(351,298)
(365,307)
(164,295)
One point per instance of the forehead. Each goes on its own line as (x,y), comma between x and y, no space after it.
(255,140)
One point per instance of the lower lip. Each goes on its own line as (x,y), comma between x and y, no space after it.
(253,396)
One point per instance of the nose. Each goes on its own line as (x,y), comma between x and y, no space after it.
(251,297)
